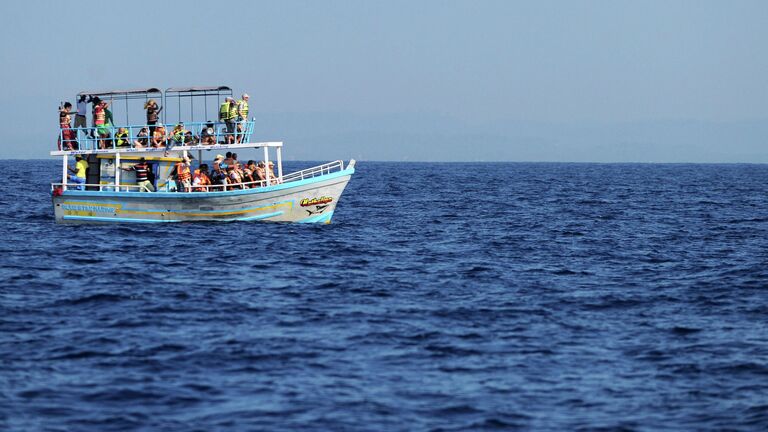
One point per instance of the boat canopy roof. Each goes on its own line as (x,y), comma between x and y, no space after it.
(209,90)
(124,94)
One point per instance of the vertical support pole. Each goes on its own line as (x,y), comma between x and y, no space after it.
(280,164)
(266,163)
(117,171)
(64,172)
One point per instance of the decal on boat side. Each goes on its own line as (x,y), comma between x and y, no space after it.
(319,209)
(95,208)
(306,202)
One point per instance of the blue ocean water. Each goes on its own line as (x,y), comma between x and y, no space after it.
(443,297)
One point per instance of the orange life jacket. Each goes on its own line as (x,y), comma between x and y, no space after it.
(201,180)
(99,116)
(182,172)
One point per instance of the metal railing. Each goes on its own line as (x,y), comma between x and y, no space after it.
(296,176)
(337,165)
(141,136)
(110,187)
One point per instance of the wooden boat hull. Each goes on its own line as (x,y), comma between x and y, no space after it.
(311,200)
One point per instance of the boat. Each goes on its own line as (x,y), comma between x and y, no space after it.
(110,193)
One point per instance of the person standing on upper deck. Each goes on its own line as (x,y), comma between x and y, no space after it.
(228,115)
(100,121)
(153,114)
(95,103)
(82,107)
(67,137)
(242,116)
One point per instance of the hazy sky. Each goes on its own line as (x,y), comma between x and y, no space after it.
(425,80)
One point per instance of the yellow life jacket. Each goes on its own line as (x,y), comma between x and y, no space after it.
(179,135)
(226,112)
(121,138)
(242,108)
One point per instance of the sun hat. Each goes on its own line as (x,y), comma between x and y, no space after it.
(218,156)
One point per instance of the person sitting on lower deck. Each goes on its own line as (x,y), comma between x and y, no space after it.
(182,171)
(142,175)
(200,180)
(235,181)
(247,174)
(272,177)
(229,160)
(218,175)
(260,173)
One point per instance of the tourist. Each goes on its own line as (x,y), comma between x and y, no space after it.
(247,175)
(65,113)
(178,136)
(121,138)
(82,107)
(142,138)
(79,172)
(183,174)
(242,116)
(67,137)
(228,115)
(100,122)
(158,135)
(208,135)
(260,173)
(229,160)
(95,102)
(234,177)
(219,176)
(201,181)
(272,177)
(153,113)
(217,161)
(142,175)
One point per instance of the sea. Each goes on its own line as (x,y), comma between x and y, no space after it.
(442,297)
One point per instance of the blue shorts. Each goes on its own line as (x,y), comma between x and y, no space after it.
(77,180)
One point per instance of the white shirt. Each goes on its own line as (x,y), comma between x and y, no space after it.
(81,107)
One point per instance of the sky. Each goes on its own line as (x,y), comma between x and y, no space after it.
(483,80)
